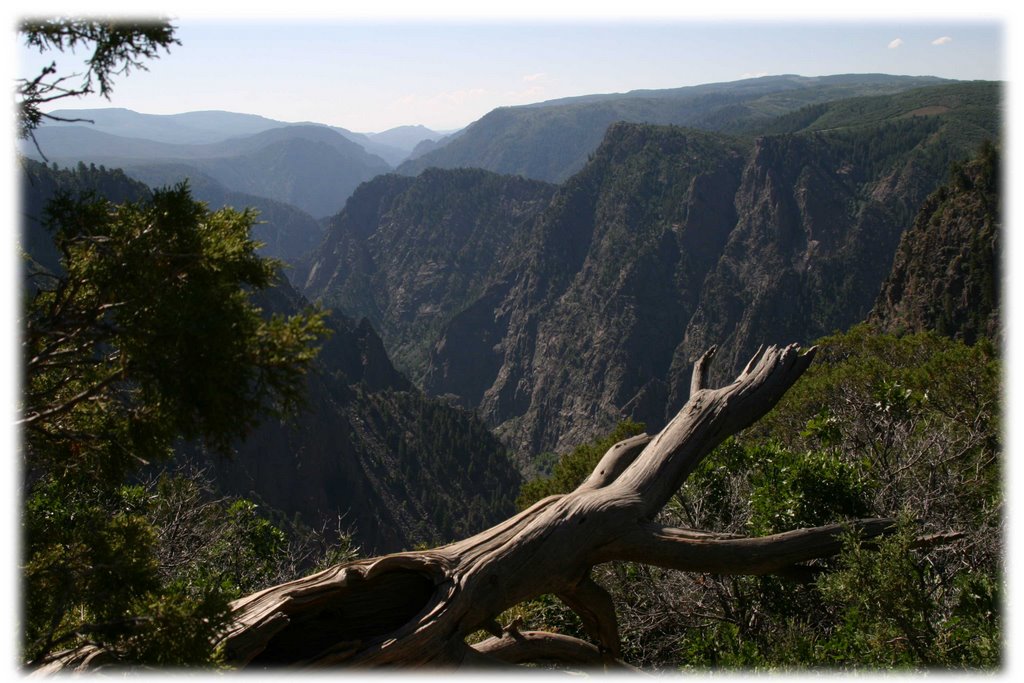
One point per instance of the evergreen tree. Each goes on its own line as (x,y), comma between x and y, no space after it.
(148,336)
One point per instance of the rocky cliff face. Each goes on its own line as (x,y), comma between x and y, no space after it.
(671,240)
(946,275)
(813,240)
(668,242)
(410,253)
(591,317)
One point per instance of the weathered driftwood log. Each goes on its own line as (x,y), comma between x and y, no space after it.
(416,609)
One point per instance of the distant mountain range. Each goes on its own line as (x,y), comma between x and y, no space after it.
(403,139)
(311,167)
(203,127)
(551,140)
(304,165)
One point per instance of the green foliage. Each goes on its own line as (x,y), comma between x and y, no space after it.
(572,468)
(92,573)
(229,544)
(920,406)
(721,645)
(140,334)
(232,547)
(880,426)
(790,491)
(890,606)
(145,337)
(967,103)
(149,335)
(765,487)
(148,569)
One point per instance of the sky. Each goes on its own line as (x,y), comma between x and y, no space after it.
(370,74)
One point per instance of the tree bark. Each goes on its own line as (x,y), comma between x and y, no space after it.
(416,609)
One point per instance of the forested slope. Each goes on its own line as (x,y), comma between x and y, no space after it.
(551,140)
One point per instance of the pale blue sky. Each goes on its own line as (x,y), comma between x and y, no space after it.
(371,75)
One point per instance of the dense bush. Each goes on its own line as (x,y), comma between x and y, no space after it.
(880,426)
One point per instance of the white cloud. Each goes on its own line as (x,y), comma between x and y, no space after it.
(942,41)
(534,77)
(895,44)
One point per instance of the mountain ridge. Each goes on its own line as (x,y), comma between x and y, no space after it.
(213,125)
(311,167)
(550,140)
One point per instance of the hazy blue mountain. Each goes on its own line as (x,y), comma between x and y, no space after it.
(311,167)
(405,137)
(551,140)
(70,144)
(202,127)
(392,155)
(424,147)
(189,128)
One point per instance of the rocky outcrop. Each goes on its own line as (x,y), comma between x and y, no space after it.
(615,271)
(409,253)
(947,272)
